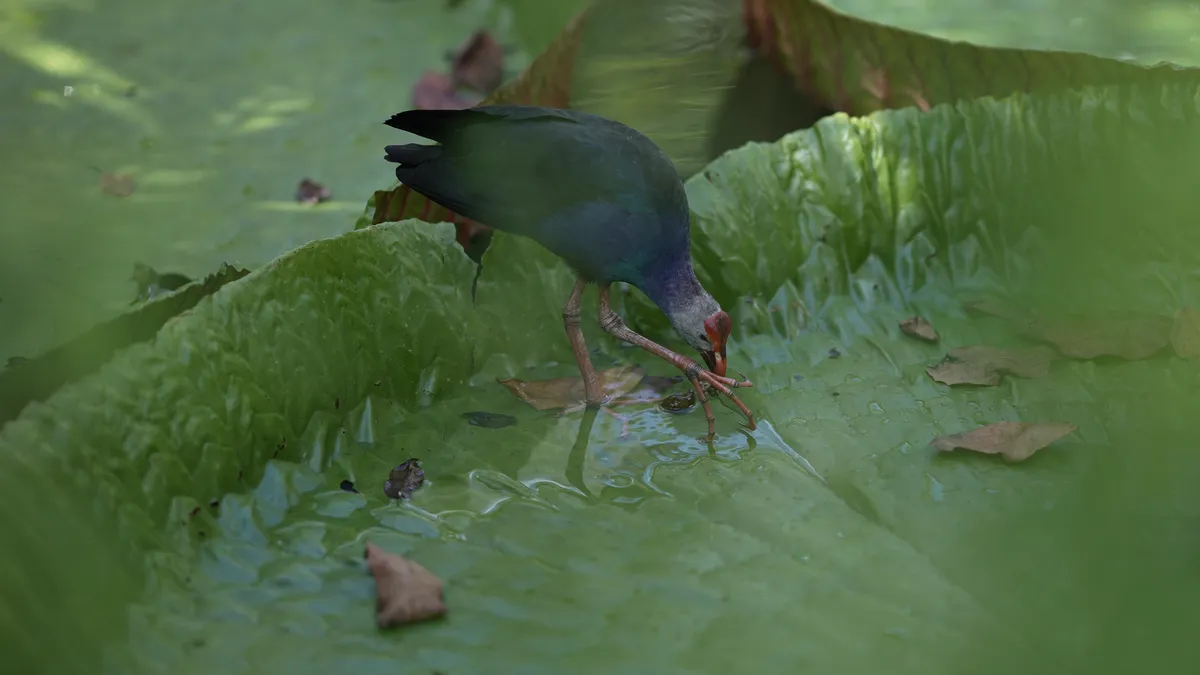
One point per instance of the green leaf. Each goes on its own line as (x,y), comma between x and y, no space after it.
(36,378)
(832,538)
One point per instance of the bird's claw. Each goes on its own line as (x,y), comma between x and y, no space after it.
(700,377)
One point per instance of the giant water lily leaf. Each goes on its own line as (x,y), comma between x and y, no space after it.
(832,536)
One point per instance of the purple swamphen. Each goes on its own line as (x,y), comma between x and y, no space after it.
(594,192)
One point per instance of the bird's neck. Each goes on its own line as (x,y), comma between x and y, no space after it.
(673,286)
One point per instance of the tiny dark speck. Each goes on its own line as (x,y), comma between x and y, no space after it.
(337,403)
(489,420)
(836,394)
(834,354)
(195,512)
(348,486)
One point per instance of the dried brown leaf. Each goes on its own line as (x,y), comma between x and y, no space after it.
(1185,333)
(311,192)
(919,328)
(405,592)
(1130,335)
(436,91)
(984,365)
(567,392)
(117,184)
(1015,441)
(479,64)
(403,479)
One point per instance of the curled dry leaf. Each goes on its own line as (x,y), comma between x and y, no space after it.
(311,192)
(919,328)
(567,392)
(983,365)
(436,91)
(404,479)
(479,64)
(117,184)
(1185,333)
(405,592)
(1015,441)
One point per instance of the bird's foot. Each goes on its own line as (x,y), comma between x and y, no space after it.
(701,378)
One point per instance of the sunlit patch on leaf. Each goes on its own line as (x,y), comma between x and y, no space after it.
(405,592)
(1015,441)
(984,365)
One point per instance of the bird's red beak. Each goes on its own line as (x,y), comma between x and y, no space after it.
(717,327)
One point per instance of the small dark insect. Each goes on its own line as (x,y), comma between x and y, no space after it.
(678,403)
(404,479)
(348,486)
(489,420)
(195,512)
(14,361)
(337,403)
(835,354)
(312,193)
(216,503)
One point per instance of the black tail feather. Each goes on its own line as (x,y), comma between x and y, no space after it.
(412,154)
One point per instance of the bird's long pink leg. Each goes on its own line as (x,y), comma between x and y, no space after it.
(611,322)
(591,382)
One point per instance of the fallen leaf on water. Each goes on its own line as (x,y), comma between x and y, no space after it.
(983,365)
(1130,335)
(116,184)
(489,420)
(436,91)
(567,392)
(404,479)
(311,192)
(1185,333)
(919,328)
(1015,441)
(405,592)
(479,64)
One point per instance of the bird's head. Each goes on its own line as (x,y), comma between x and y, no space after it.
(707,332)
(716,329)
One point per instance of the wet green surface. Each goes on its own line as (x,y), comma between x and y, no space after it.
(180,511)
(831,537)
